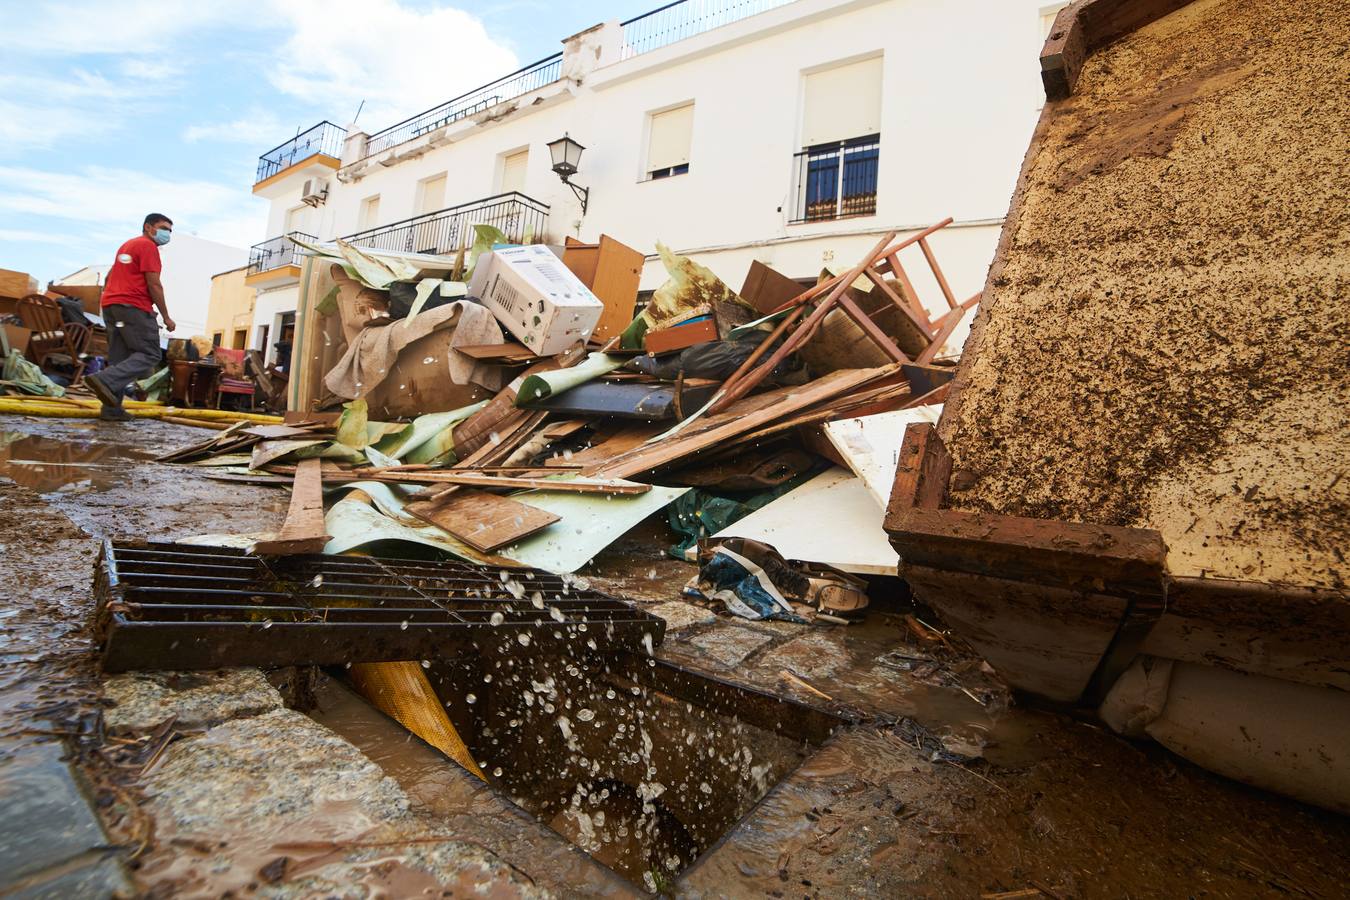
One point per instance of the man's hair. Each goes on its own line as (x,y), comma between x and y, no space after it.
(156,218)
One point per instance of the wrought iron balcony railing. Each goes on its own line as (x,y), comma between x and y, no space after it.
(835,181)
(517,216)
(521,81)
(325,138)
(684,19)
(276,252)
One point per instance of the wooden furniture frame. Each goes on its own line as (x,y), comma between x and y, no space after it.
(51,335)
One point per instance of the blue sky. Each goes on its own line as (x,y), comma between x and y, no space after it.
(110,109)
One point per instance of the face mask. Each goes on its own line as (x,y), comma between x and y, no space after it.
(162,236)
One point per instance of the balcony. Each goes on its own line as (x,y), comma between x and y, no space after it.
(836,181)
(519,217)
(275,261)
(520,82)
(684,19)
(321,144)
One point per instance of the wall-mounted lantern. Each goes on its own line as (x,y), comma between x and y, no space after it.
(566,154)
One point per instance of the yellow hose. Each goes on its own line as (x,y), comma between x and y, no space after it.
(401,691)
(53,408)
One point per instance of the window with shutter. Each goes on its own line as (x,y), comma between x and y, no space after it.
(836,171)
(431,195)
(369,215)
(668,142)
(514,166)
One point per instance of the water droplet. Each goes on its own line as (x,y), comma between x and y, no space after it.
(429,360)
(497,772)
(556,614)
(403,626)
(609,694)
(470,698)
(426,664)
(497,618)
(585,715)
(267,623)
(524,639)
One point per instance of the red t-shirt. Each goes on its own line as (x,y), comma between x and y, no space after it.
(126,281)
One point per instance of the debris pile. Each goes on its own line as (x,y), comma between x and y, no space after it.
(489,407)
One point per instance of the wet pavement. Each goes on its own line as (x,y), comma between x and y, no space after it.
(948,789)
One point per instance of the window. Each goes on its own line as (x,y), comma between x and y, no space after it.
(514,166)
(668,140)
(262,339)
(431,195)
(369,214)
(217,338)
(1048,14)
(295,219)
(835,174)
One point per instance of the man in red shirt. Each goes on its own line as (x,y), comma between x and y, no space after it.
(130,295)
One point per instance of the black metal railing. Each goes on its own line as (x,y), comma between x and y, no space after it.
(521,81)
(684,19)
(836,180)
(325,138)
(276,252)
(519,217)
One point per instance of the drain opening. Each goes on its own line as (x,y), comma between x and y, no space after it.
(641,764)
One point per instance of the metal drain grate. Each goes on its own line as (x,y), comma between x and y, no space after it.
(181,606)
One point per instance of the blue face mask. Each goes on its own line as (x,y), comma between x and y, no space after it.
(162,236)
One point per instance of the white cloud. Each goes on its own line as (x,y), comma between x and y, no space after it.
(101,203)
(398,59)
(259,128)
(128,27)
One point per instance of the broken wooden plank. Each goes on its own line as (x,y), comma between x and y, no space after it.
(304,530)
(483,521)
(471,478)
(922,472)
(741,417)
(509,352)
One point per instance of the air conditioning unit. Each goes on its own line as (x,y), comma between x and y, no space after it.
(314,191)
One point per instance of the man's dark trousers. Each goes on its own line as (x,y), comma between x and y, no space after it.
(133,346)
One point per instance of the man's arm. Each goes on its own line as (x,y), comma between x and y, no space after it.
(156,289)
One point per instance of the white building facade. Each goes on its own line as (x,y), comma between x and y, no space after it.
(793,133)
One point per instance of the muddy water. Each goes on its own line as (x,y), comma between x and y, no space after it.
(48,464)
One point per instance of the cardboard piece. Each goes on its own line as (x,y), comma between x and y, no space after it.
(536,297)
(17,284)
(832,519)
(870,445)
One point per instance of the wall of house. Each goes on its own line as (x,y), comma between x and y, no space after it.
(231,305)
(960,92)
(189,264)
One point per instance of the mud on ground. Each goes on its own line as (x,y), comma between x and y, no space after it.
(1163,341)
(952,790)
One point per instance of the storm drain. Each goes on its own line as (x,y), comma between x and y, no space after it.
(182,606)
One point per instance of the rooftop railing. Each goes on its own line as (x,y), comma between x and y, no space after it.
(517,216)
(325,138)
(519,82)
(276,252)
(684,19)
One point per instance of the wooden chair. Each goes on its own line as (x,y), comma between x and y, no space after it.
(232,377)
(51,335)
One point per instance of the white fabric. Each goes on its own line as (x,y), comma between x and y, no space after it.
(842,103)
(371,356)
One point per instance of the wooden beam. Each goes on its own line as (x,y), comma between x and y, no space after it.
(937,272)
(922,472)
(949,323)
(304,530)
(1082,28)
(470,478)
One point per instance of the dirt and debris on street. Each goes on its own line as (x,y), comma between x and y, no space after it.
(514,570)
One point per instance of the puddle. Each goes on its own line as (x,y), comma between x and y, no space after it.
(46,465)
(642,765)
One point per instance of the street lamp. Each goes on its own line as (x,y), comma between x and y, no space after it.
(566,154)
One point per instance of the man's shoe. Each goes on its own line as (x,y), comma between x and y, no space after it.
(102,392)
(114,414)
